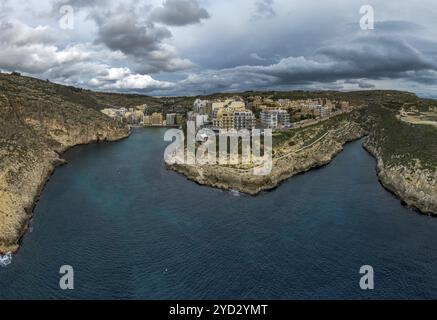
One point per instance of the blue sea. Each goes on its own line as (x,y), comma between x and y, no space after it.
(133,230)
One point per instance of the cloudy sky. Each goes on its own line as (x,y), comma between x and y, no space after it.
(185,47)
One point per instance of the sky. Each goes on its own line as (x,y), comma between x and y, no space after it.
(193,47)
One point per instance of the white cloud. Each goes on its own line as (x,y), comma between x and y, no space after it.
(139,82)
(116,74)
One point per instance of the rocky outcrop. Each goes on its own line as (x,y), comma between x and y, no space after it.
(287,161)
(33,134)
(413,184)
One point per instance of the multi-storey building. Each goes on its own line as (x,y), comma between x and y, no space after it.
(157,119)
(269,119)
(202,106)
(224,120)
(244,119)
(273,119)
(232,114)
(170,119)
(180,119)
(215,107)
(283,119)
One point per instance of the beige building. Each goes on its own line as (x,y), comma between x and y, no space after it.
(224,119)
(147,120)
(131,116)
(157,119)
(180,119)
(232,114)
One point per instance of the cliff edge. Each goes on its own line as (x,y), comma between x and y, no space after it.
(37,124)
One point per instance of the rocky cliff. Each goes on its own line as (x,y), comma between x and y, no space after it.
(35,128)
(405,153)
(414,185)
(294,153)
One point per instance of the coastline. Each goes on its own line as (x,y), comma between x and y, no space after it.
(49,168)
(261,188)
(409,185)
(227,178)
(397,184)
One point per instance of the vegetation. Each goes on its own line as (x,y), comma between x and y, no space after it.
(399,142)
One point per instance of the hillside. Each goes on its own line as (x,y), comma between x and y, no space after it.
(38,121)
(406,153)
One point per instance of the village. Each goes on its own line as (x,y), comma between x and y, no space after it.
(237,113)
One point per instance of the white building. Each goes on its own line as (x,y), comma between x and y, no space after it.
(201,106)
(269,119)
(283,119)
(170,119)
(201,120)
(273,119)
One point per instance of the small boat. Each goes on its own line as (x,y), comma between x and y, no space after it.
(5,259)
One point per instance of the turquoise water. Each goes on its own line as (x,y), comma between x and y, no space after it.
(132,229)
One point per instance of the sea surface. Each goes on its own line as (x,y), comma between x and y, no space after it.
(132,229)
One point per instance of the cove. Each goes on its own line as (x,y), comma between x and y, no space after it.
(132,229)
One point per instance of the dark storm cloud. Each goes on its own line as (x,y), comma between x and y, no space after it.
(122,30)
(395,26)
(364,57)
(426,77)
(389,27)
(179,13)
(125,30)
(374,56)
(361,84)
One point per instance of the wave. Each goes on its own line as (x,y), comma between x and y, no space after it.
(5,259)
(235,193)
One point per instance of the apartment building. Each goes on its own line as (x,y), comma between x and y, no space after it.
(224,119)
(170,119)
(283,119)
(244,119)
(269,119)
(274,119)
(157,119)
(202,106)
(232,114)
(180,119)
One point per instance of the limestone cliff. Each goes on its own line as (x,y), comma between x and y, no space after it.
(414,185)
(405,153)
(35,128)
(298,152)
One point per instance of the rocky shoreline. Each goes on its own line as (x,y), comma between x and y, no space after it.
(23,204)
(416,187)
(228,178)
(39,121)
(412,185)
